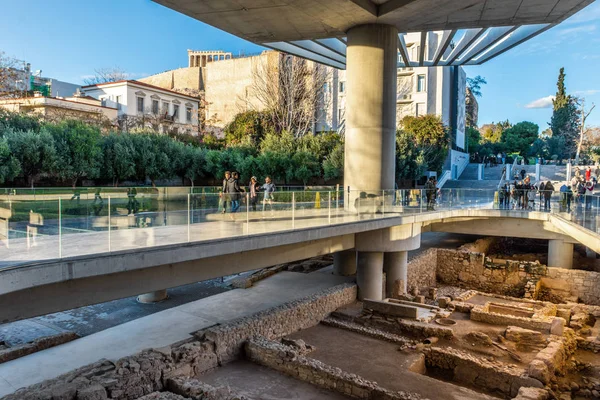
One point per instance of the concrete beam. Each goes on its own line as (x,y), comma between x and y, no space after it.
(68,294)
(583,235)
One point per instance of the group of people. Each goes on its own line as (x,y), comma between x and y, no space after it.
(490,161)
(522,193)
(231,193)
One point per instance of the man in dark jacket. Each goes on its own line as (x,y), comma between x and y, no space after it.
(227,190)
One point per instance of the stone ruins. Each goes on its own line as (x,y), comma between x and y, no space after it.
(470,327)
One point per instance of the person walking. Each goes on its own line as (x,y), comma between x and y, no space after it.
(236,193)
(253,188)
(541,189)
(588,174)
(268,188)
(429,193)
(548,190)
(228,189)
(589,191)
(523,173)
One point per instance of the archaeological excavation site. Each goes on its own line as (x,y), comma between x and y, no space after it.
(469,323)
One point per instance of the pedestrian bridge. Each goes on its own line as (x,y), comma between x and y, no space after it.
(54,272)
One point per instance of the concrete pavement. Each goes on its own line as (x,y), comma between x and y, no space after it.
(163,328)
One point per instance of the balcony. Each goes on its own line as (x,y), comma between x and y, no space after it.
(406,71)
(403,98)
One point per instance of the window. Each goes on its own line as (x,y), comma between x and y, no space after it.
(326,87)
(140,105)
(175,112)
(103,101)
(420,109)
(421,83)
(340,115)
(154,107)
(118,101)
(188,114)
(342,87)
(165,107)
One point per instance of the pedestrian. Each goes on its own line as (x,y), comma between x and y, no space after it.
(523,172)
(566,196)
(235,193)
(253,188)
(597,172)
(429,193)
(514,196)
(541,189)
(589,191)
(548,190)
(228,189)
(503,158)
(268,188)
(588,174)
(501,197)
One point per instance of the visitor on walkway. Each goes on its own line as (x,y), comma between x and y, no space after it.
(506,195)
(514,196)
(567,196)
(548,190)
(541,189)
(523,172)
(253,188)
(430,193)
(503,158)
(228,187)
(588,174)
(589,191)
(268,188)
(597,172)
(236,193)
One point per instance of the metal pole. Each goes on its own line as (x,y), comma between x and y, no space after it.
(109,224)
(188,218)
(329,209)
(59,228)
(293,210)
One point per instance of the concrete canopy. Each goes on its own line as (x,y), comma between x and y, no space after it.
(475,31)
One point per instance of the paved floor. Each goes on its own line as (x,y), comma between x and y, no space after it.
(161,329)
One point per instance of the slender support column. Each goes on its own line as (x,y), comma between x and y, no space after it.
(153,297)
(560,254)
(371,60)
(369,275)
(344,263)
(395,265)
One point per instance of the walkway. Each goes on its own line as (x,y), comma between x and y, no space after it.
(163,328)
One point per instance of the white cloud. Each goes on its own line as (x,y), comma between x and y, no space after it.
(544,102)
(589,92)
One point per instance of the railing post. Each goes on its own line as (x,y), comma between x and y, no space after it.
(293,210)
(329,209)
(59,228)
(188,218)
(109,248)
(247,213)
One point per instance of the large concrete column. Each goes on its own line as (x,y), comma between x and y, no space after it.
(369,275)
(371,62)
(153,297)
(395,266)
(560,254)
(344,263)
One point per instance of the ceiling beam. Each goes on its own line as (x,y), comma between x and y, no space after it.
(496,53)
(317,48)
(422,48)
(391,5)
(367,5)
(292,49)
(403,50)
(485,45)
(445,42)
(334,45)
(465,42)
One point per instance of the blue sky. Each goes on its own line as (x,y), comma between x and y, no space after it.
(68,39)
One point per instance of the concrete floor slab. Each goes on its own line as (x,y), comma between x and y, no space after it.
(162,328)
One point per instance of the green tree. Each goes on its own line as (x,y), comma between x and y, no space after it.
(34,151)
(333,164)
(408,164)
(473,139)
(474,85)
(19,121)
(431,137)
(78,149)
(520,137)
(248,127)
(282,143)
(151,157)
(9,165)
(119,157)
(305,166)
(565,119)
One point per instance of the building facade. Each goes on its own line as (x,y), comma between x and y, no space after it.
(59,108)
(144,105)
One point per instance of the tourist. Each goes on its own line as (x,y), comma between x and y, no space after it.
(548,190)
(523,172)
(597,172)
(503,158)
(235,194)
(514,196)
(541,189)
(506,195)
(430,193)
(567,196)
(253,188)
(588,174)
(589,191)
(228,187)
(268,188)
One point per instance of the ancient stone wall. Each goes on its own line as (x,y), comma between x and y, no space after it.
(572,282)
(492,276)
(479,372)
(287,360)
(184,80)
(278,321)
(479,246)
(421,270)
